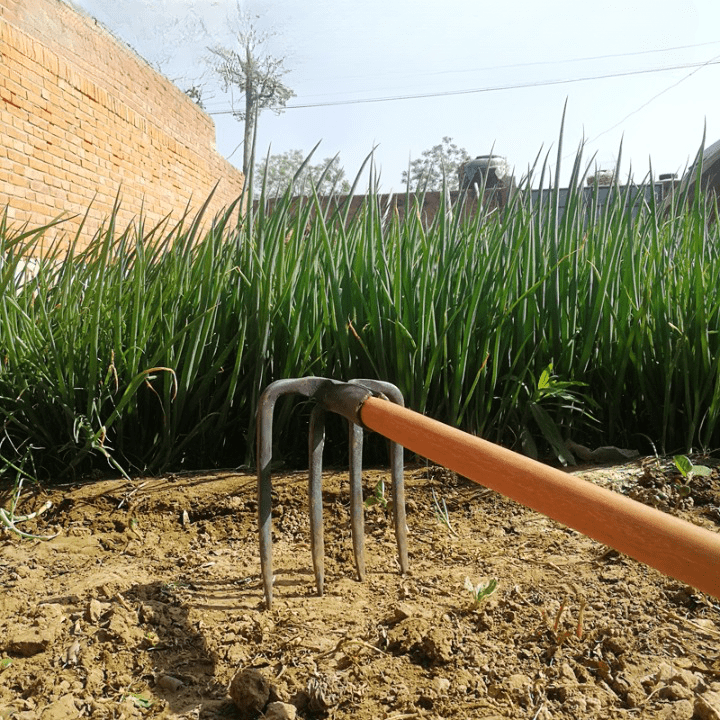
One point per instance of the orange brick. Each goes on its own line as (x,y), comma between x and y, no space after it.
(50,61)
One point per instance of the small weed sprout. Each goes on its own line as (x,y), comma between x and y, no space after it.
(481,591)
(378,497)
(139,701)
(9,519)
(688,471)
(442,515)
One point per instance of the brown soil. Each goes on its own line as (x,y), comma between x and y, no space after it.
(149,601)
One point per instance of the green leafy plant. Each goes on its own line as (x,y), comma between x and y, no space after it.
(536,400)
(481,591)
(688,470)
(148,348)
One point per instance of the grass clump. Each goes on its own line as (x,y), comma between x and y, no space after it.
(148,350)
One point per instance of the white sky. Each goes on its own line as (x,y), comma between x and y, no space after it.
(340,50)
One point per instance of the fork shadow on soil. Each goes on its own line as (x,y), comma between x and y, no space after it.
(182,668)
(178,646)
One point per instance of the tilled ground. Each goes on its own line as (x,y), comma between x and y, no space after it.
(149,601)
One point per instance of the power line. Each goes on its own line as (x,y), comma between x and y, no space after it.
(536,63)
(609,56)
(712,61)
(496,88)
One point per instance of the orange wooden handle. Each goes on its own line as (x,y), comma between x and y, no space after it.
(675,547)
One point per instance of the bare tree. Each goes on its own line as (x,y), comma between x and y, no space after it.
(257,75)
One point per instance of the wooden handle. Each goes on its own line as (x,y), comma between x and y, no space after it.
(675,547)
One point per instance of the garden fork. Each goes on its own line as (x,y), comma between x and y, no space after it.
(344,399)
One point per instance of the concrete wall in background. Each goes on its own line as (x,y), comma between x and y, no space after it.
(83,117)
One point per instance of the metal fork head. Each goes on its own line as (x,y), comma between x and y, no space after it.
(345,399)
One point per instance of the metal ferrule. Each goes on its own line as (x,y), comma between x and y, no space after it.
(345,399)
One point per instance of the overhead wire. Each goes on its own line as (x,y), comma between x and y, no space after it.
(534,63)
(655,97)
(495,88)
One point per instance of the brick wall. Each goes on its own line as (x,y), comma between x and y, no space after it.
(83,117)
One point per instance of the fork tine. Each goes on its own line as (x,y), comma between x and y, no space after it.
(317,443)
(344,399)
(357,509)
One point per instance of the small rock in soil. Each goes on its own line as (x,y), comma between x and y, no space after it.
(280,711)
(168,682)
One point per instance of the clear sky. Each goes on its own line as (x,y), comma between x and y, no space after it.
(494,76)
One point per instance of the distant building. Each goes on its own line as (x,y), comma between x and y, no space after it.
(600,195)
(492,176)
(710,178)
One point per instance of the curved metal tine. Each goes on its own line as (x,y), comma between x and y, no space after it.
(396,469)
(266,407)
(399,515)
(357,516)
(315,446)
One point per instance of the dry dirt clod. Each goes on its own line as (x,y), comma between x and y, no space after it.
(31,641)
(707,706)
(250,691)
(62,709)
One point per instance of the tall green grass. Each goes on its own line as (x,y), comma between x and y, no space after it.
(148,350)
